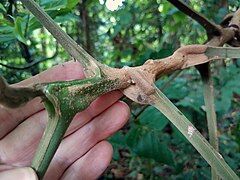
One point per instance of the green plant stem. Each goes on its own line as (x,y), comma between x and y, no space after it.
(53,134)
(215,160)
(63,101)
(210,111)
(208,89)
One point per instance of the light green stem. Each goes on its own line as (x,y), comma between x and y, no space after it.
(64,101)
(214,159)
(211,114)
(53,134)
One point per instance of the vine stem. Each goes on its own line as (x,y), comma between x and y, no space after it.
(208,93)
(211,116)
(216,161)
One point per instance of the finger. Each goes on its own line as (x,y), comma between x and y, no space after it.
(6,167)
(77,144)
(92,164)
(98,106)
(19,173)
(18,147)
(67,71)
(10,118)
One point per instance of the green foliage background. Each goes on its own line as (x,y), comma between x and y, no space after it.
(148,147)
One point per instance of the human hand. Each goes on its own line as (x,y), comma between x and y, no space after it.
(82,154)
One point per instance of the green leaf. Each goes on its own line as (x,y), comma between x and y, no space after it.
(229,85)
(153,119)
(6,29)
(162,53)
(178,89)
(2,8)
(71,4)
(18,30)
(62,6)
(33,24)
(66,18)
(117,141)
(58,10)
(6,38)
(148,144)
(53,5)
(5,22)
(116,30)
(192,101)
(125,18)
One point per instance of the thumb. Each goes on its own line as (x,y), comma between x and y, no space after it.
(25,173)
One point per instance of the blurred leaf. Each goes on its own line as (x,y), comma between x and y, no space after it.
(177,89)
(145,55)
(6,29)
(162,53)
(116,30)
(153,119)
(147,144)
(126,52)
(71,4)
(4,38)
(222,12)
(18,30)
(33,24)
(5,22)
(179,17)
(66,18)
(53,4)
(2,8)
(193,100)
(229,86)
(125,18)
(172,11)
(117,141)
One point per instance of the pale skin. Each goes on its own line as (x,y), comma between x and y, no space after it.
(83,154)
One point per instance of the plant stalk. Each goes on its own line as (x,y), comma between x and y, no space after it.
(215,160)
(211,113)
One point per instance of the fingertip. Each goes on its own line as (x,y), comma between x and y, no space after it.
(125,108)
(25,173)
(107,152)
(92,164)
(31,174)
(122,112)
